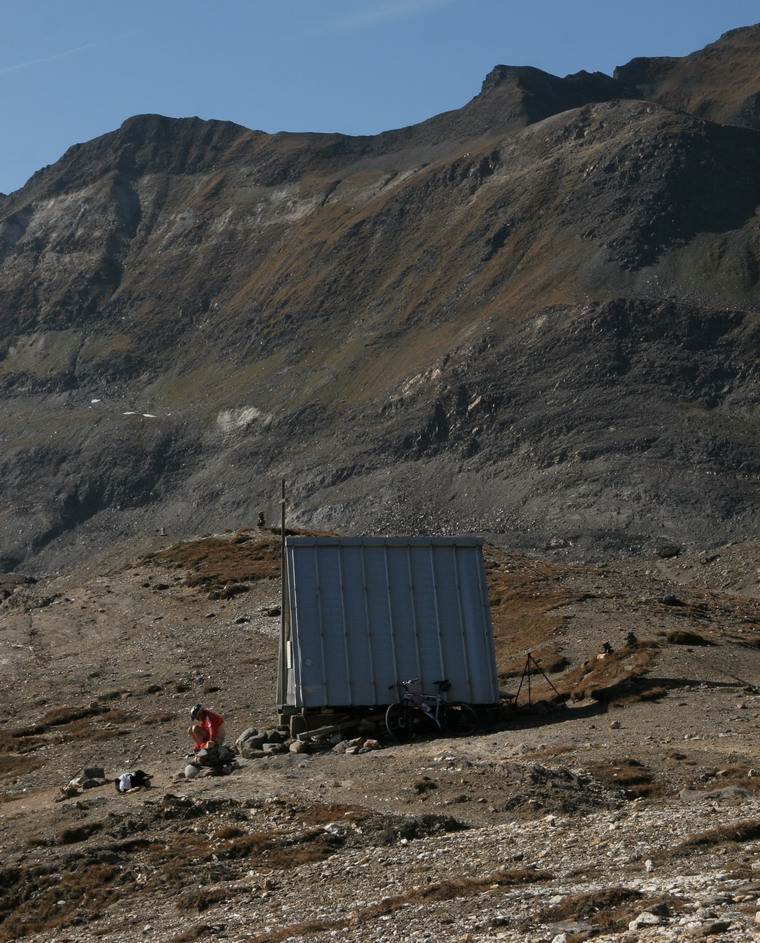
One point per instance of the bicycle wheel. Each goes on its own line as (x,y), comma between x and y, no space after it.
(399,722)
(461,720)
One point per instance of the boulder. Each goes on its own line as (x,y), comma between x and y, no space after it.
(251,739)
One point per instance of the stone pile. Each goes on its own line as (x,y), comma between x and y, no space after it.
(254,743)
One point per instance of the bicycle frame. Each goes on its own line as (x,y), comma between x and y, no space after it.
(402,718)
(428,704)
(433,706)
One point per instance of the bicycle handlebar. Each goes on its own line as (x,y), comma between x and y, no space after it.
(402,684)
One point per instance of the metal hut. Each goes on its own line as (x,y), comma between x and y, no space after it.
(362,613)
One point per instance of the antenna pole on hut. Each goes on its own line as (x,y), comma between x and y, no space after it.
(282,554)
(281,682)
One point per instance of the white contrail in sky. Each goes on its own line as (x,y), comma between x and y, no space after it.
(57,55)
(382,12)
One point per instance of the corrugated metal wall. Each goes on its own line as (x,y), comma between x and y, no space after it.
(368,611)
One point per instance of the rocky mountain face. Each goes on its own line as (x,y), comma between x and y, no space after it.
(534,317)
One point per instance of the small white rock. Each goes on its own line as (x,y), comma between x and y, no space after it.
(645,919)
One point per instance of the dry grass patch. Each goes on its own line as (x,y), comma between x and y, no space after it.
(545,752)
(12,797)
(14,765)
(62,725)
(684,637)
(523,594)
(63,716)
(42,900)
(334,812)
(463,887)
(229,831)
(203,898)
(525,597)
(739,778)
(218,563)
(70,836)
(494,883)
(537,684)
(630,776)
(734,833)
(163,717)
(609,907)
(272,849)
(195,933)
(616,677)
(11,740)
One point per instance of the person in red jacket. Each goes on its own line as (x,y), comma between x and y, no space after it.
(206,728)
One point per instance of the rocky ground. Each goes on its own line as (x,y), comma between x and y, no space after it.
(631,812)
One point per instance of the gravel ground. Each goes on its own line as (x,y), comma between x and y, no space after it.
(623,818)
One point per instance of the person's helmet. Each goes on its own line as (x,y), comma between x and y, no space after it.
(195,710)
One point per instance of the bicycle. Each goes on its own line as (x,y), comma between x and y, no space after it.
(413,713)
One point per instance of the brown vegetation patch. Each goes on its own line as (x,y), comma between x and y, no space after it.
(218,563)
(11,796)
(19,740)
(615,676)
(738,778)
(163,717)
(39,900)
(632,778)
(203,898)
(14,765)
(61,726)
(324,814)
(42,899)
(229,831)
(733,833)
(683,637)
(121,716)
(195,933)
(523,593)
(453,889)
(272,849)
(608,907)
(62,716)
(493,883)
(11,741)
(70,836)
(558,750)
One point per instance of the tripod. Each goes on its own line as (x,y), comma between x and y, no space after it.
(530,661)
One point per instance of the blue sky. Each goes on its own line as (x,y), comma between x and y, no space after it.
(71,70)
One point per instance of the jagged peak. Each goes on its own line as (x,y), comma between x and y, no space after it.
(643,69)
(150,122)
(502,74)
(739,31)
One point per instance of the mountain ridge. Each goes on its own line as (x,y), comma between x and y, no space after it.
(550,298)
